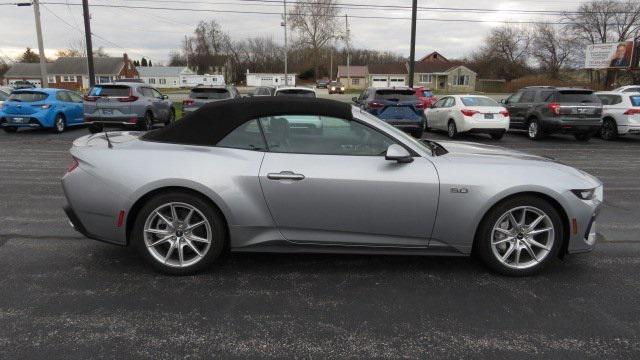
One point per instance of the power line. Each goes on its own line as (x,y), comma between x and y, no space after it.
(336,16)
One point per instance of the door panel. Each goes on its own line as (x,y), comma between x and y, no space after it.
(365,200)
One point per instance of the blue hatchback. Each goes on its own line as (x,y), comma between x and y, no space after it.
(41,108)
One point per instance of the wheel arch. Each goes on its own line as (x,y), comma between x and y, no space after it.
(139,203)
(566,227)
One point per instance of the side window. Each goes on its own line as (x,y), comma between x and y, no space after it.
(156,94)
(515,98)
(545,96)
(246,136)
(616,99)
(146,92)
(63,96)
(363,95)
(306,134)
(528,96)
(75,97)
(440,103)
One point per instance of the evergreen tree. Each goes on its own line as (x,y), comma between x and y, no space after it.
(143,62)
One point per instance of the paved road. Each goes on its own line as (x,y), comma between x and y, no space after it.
(67,297)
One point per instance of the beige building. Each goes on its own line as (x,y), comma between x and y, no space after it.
(354,78)
(436,72)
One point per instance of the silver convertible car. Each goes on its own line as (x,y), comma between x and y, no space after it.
(234,175)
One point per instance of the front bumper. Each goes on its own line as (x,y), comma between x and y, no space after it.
(583,227)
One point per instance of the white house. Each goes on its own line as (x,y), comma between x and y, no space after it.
(165,76)
(269,79)
(192,80)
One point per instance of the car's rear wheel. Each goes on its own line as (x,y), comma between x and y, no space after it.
(534,130)
(609,130)
(95,128)
(147,122)
(10,129)
(172,117)
(59,124)
(519,236)
(179,233)
(452,130)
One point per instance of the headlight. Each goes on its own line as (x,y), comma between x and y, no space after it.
(586,194)
(342,88)
(332,88)
(44,106)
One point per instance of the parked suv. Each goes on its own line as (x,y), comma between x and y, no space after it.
(201,95)
(543,110)
(620,114)
(397,106)
(126,104)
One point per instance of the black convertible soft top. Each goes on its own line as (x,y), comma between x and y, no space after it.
(212,122)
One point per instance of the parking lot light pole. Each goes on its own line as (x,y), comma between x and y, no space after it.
(43,60)
(412,52)
(286,49)
(87,34)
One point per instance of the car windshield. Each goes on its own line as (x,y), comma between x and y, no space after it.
(210,93)
(478,101)
(296,92)
(335,84)
(395,95)
(635,100)
(28,96)
(576,96)
(395,131)
(110,91)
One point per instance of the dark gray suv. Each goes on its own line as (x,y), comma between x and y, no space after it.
(126,104)
(543,110)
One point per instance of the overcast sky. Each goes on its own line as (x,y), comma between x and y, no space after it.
(154,33)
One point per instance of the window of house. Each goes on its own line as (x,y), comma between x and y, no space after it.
(162,81)
(51,79)
(426,78)
(321,135)
(461,80)
(152,81)
(68,78)
(355,81)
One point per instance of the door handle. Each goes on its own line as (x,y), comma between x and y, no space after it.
(285,175)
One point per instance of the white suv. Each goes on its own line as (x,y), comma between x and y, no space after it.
(620,113)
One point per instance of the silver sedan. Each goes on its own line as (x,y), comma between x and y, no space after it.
(238,175)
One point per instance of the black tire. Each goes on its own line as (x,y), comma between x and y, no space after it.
(59,124)
(609,129)
(452,129)
(95,128)
(497,136)
(147,123)
(534,129)
(482,244)
(213,215)
(10,129)
(172,117)
(582,136)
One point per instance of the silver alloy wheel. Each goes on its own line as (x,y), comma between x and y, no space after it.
(59,124)
(452,129)
(177,234)
(533,129)
(525,242)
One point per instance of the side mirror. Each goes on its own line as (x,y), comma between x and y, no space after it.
(503,101)
(165,97)
(397,153)
(354,99)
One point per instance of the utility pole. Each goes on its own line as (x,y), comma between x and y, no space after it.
(87,34)
(331,63)
(412,52)
(43,61)
(347,34)
(286,47)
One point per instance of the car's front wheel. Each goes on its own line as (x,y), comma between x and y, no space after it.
(147,122)
(179,233)
(519,236)
(59,124)
(172,117)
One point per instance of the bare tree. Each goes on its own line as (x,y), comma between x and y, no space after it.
(552,48)
(316,23)
(504,53)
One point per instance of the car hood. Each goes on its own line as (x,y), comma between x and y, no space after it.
(496,155)
(467,148)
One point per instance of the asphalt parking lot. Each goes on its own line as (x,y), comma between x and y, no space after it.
(64,296)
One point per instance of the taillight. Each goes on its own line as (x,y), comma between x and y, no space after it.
(130,98)
(375,105)
(632,112)
(74,164)
(468,112)
(90,98)
(504,113)
(187,102)
(420,106)
(554,108)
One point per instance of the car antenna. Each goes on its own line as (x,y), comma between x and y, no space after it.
(109,144)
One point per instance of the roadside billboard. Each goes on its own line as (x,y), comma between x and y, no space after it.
(611,55)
